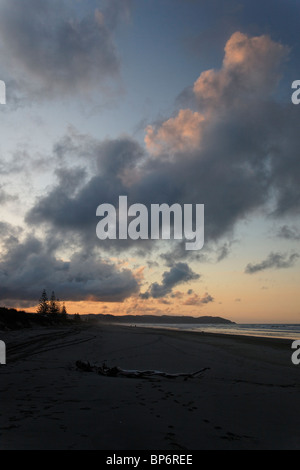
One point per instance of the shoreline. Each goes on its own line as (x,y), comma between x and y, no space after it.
(211,337)
(174,327)
(246,399)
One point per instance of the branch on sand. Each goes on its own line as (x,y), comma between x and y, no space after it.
(136,374)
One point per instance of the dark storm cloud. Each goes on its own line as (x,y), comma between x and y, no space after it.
(274,261)
(68,208)
(247,152)
(179,253)
(51,47)
(178,274)
(29,266)
(228,190)
(285,160)
(9,233)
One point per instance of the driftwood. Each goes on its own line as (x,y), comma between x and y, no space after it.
(136,374)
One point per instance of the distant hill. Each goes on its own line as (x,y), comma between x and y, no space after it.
(158,319)
(11,319)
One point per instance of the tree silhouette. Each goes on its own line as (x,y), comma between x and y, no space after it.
(53,306)
(63,311)
(43,307)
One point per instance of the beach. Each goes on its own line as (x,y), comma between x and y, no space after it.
(245,398)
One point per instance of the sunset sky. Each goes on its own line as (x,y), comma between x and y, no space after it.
(166,101)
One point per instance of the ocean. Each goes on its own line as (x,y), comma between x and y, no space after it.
(288,331)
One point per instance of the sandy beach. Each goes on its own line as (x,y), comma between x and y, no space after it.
(248,398)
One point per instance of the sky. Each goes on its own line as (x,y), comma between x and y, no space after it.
(175,102)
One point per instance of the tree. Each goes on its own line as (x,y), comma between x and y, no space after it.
(77,317)
(53,306)
(43,307)
(63,311)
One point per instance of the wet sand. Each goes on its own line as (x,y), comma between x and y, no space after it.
(247,399)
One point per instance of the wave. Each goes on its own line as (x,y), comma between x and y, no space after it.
(275,330)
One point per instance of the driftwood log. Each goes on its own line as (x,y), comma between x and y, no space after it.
(136,374)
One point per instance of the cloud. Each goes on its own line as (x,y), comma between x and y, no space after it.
(243,156)
(9,234)
(273,261)
(195,299)
(178,274)
(250,68)
(5,197)
(290,233)
(54,48)
(224,250)
(233,146)
(179,133)
(29,266)
(70,206)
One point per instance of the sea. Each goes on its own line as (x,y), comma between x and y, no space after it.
(287,331)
